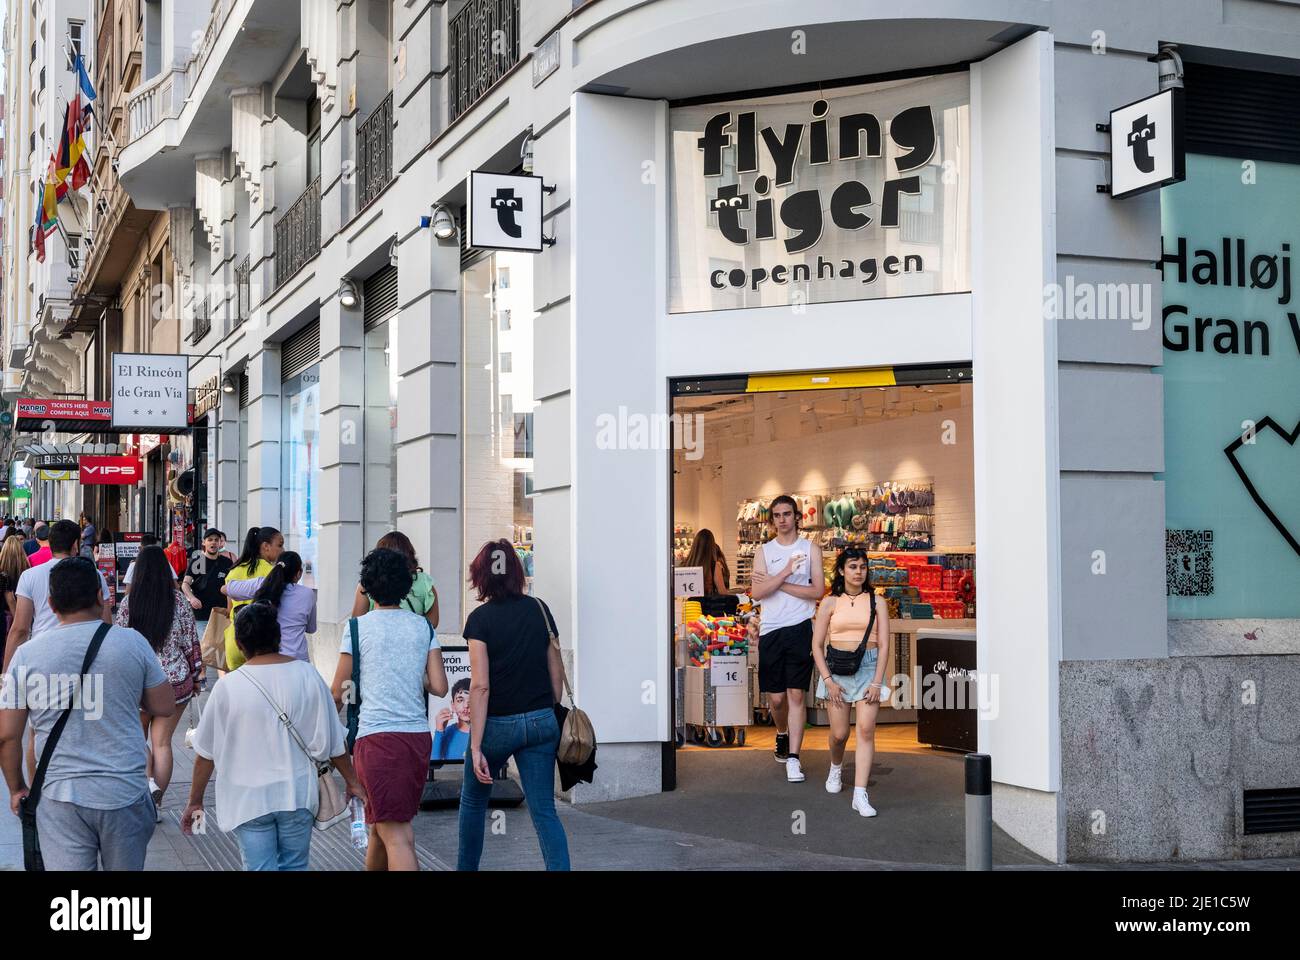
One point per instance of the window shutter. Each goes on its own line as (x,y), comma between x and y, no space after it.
(300,351)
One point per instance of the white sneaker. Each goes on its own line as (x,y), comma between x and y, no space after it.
(834,781)
(793,771)
(860,804)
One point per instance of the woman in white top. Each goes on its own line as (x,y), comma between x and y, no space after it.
(267,793)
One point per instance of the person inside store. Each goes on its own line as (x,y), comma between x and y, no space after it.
(87,536)
(516,679)
(423,598)
(295,604)
(400,662)
(146,540)
(706,554)
(787,582)
(160,613)
(267,792)
(205,577)
(262,547)
(851,650)
(13,562)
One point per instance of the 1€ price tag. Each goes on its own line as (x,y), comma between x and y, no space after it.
(688,581)
(728,671)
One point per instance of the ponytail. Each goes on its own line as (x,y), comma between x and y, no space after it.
(252,551)
(286,570)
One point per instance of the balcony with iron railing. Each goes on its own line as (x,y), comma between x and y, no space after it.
(202,325)
(243,292)
(297,234)
(375,152)
(482,46)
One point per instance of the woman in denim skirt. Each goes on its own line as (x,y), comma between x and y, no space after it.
(842,623)
(516,678)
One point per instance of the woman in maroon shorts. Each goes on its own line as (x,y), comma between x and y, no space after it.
(400,662)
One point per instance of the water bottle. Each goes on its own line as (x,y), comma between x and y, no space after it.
(360,837)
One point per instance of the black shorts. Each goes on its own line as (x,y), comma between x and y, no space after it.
(785,660)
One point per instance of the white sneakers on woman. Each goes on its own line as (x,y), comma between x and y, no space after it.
(834,779)
(860,802)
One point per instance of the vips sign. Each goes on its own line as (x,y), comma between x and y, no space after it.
(505,211)
(149,392)
(111,470)
(852,193)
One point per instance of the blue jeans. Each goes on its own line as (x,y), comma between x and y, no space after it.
(531,738)
(277,841)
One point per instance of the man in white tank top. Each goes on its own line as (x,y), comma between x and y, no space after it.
(787,582)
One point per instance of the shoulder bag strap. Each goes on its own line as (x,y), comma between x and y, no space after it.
(284,719)
(871,624)
(356,661)
(38,781)
(555,642)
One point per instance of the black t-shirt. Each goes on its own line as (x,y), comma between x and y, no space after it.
(207,577)
(518,671)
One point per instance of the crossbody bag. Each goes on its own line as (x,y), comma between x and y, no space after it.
(331,808)
(32,859)
(845,663)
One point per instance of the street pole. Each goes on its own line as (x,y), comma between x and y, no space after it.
(979,811)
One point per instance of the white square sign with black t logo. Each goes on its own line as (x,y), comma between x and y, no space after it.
(505,211)
(1146,144)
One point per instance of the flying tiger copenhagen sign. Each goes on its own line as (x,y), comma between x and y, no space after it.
(846,193)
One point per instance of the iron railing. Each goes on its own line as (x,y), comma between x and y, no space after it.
(243,298)
(482,44)
(202,319)
(297,234)
(375,152)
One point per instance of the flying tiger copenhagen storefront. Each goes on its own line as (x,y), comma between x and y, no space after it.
(846,307)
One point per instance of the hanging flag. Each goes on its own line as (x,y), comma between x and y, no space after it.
(38,228)
(83,83)
(72,147)
(54,192)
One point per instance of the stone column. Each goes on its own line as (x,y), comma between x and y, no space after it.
(429,413)
(264,436)
(341,396)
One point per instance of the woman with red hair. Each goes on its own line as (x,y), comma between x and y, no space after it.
(516,678)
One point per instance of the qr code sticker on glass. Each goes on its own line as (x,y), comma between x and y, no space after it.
(1189,563)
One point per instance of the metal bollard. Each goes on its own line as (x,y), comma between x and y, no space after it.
(979,811)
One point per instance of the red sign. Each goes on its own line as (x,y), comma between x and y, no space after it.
(66,416)
(116,470)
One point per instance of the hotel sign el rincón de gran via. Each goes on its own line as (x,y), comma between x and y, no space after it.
(846,193)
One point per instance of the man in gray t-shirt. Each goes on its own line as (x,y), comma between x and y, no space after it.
(95,805)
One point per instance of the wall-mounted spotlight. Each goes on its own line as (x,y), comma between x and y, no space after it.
(526,154)
(228,385)
(348,293)
(443,223)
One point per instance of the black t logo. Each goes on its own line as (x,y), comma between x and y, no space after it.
(507,205)
(1139,140)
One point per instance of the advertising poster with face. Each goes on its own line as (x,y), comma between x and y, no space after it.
(449,715)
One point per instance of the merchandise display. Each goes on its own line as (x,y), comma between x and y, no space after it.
(715,637)
(683,537)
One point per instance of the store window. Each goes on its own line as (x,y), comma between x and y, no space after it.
(300,467)
(1232,506)
(498,404)
(380,431)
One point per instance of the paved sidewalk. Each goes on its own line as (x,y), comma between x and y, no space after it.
(724,816)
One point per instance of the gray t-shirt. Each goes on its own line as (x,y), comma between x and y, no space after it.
(99,761)
(395,647)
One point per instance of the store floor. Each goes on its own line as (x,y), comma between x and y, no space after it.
(741,794)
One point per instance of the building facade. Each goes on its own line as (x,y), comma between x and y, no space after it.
(296,174)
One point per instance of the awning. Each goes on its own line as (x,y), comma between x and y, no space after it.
(71,416)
